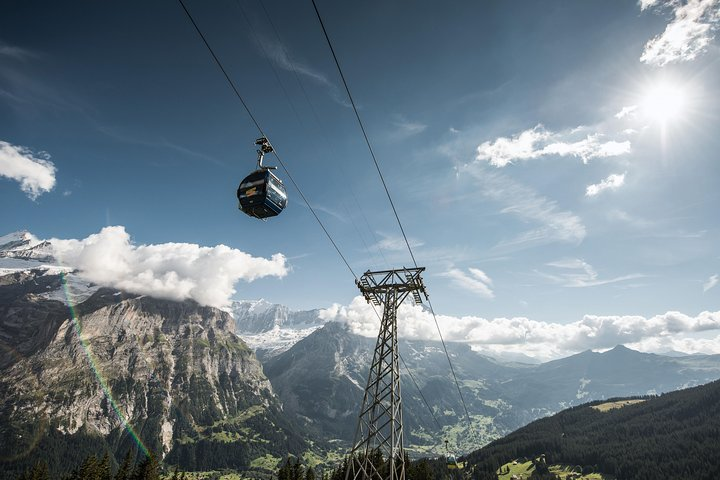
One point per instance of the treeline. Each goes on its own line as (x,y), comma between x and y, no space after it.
(676,435)
(417,470)
(94,468)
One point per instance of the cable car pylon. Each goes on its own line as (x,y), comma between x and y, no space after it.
(380,425)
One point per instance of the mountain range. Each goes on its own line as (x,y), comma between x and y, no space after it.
(87,369)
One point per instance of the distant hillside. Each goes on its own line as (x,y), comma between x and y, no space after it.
(321,378)
(676,435)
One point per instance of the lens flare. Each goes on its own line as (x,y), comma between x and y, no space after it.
(93,366)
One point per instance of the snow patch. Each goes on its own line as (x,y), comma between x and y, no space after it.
(277,340)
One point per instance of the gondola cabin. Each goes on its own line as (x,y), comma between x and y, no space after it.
(452,462)
(261,194)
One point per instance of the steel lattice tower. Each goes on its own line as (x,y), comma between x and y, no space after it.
(380,425)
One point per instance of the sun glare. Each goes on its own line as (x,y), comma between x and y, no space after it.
(664,103)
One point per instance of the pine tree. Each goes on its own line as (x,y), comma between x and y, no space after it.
(103,469)
(125,469)
(297,471)
(89,469)
(39,471)
(148,469)
(310,474)
(284,472)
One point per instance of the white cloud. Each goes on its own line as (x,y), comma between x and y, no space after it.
(477,282)
(276,52)
(544,340)
(576,273)
(529,206)
(687,35)
(15,52)
(712,281)
(395,243)
(176,271)
(628,110)
(538,142)
(405,128)
(644,4)
(612,182)
(36,175)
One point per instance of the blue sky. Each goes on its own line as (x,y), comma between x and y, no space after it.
(549,160)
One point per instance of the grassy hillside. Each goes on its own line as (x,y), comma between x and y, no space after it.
(676,435)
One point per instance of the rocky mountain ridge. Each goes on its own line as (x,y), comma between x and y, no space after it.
(321,380)
(121,372)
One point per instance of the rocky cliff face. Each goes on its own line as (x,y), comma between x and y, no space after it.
(173,372)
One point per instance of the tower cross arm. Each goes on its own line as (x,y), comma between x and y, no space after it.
(375,285)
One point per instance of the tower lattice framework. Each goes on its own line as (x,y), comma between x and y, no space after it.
(380,424)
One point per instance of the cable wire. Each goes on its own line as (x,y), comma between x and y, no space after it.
(262,133)
(387,191)
(307,203)
(452,369)
(362,127)
(421,394)
(257,125)
(319,124)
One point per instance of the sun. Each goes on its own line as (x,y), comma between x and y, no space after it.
(664,103)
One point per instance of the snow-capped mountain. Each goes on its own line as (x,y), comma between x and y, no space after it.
(22,250)
(268,328)
(271,329)
(22,253)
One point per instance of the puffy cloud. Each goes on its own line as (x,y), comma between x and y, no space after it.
(520,147)
(612,182)
(712,281)
(626,111)
(176,271)
(644,4)
(544,340)
(477,281)
(538,142)
(687,35)
(36,175)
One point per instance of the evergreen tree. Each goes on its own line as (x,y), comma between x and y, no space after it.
(88,470)
(39,471)
(125,469)
(148,469)
(309,473)
(297,471)
(284,472)
(103,469)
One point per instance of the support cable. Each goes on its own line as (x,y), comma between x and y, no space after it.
(392,204)
(362,127)
(307,203)
(421,394)
(320,127)
(257,125)
(452,369)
